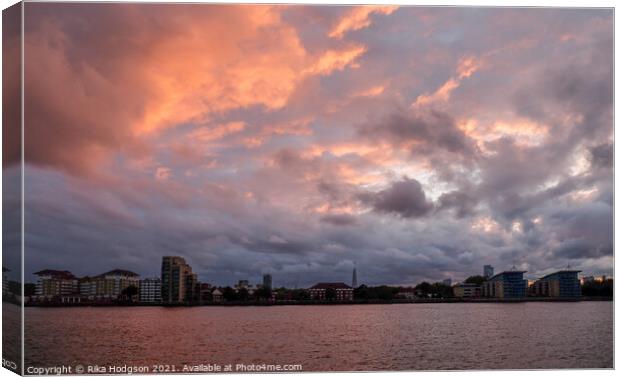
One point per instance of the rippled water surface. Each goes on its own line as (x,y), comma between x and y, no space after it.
(354,337)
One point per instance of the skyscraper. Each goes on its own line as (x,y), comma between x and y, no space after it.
(178,282)
(487,271)
(267,281)
(354,280)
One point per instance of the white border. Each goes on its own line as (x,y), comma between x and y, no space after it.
(487,3)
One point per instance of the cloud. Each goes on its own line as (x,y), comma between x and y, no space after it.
(339,219)
(420,132)
(206,134)
(465,68)
(582,248)
(199,64)
(464,203)
(11,87)
(246,139)
(162,173)
(601,156)
(358,18)
(335,60)
(405,198)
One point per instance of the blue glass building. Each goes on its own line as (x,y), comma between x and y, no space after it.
(563,283)
(507,284)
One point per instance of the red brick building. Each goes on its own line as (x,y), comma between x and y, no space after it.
(327,291)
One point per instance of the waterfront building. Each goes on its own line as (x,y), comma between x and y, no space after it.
(447,282)
(112,283)
(178,283)
(354,278)
(487,271)
(342,292)
(564,283)
(267,281)
(217,295)
(205,292)
(507,284)
(466,290)
(540,288)
(150,290)
(406,293)
(244,284)
(87,287)
(73,299)
(52,283)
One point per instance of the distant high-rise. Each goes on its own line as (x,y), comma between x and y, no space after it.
(354,279)
(178,282)
(267,281)
(488,271)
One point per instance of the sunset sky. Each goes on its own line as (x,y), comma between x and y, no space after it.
(419,143)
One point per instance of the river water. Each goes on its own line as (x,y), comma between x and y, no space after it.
(528,335)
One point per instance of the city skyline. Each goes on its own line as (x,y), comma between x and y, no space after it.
(267,278)
(410,143)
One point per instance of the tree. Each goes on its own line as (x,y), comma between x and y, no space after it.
(441,290)
(361,292)
(300,295)
(29,289)
(476,279)
(128,293)
(424,288)
(262,293)
(243,294)
(598,288)
(229,294)
(384,292)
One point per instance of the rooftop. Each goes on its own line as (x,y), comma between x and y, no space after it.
(466,285)
(120,272)
(560,272)
(330,285)
(507,273)
(56,274)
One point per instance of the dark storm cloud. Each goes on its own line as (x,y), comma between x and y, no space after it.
(339,219)
(581,248)
(513,204)
(464,203)
(580,86)
(404,198)
(430,131)
(602,156)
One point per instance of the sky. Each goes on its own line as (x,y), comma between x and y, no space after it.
(414,143)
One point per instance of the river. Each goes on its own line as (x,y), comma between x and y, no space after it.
(527,335)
